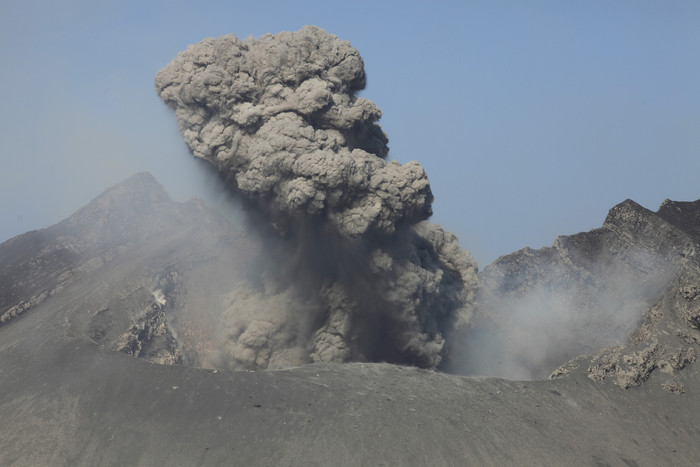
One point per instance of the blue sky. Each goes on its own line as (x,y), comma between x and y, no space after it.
(532,119)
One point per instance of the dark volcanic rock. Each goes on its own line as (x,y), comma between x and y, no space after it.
(149,337)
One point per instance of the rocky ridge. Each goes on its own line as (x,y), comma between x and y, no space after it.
(151,263)
(626,294)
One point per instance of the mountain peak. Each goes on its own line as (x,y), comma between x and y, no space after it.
(134,223)
(135,207)
(141,185)
(626,213)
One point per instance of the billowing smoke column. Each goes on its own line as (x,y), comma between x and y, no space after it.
(353,270)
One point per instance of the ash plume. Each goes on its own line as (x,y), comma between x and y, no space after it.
(352,270)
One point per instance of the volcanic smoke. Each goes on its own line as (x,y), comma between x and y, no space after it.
(352,269)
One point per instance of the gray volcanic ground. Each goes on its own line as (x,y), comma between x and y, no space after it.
(126,330)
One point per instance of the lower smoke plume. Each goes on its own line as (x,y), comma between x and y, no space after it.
(353,269)
(538,309)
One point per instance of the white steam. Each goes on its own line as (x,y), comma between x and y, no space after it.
(534,319)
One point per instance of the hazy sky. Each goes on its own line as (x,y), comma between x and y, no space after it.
(532,118)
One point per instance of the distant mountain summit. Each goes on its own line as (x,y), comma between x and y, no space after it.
(130,258)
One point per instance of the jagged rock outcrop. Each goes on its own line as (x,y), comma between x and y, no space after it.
(627,293)
(149,337)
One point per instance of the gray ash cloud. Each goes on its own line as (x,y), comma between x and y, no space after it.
(353,270)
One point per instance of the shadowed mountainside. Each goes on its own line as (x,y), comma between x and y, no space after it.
(134,274)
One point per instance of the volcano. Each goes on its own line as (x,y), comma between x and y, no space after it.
(108,318)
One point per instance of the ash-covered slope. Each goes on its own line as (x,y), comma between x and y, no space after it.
(140,268)
(67,397)
(631,287)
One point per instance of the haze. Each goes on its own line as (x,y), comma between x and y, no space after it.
(530,120)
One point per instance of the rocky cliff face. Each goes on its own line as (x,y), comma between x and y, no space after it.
(629,288)
(142,268)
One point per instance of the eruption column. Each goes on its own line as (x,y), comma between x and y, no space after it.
(354,271)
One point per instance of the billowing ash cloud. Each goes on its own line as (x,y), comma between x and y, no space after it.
(353,270)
